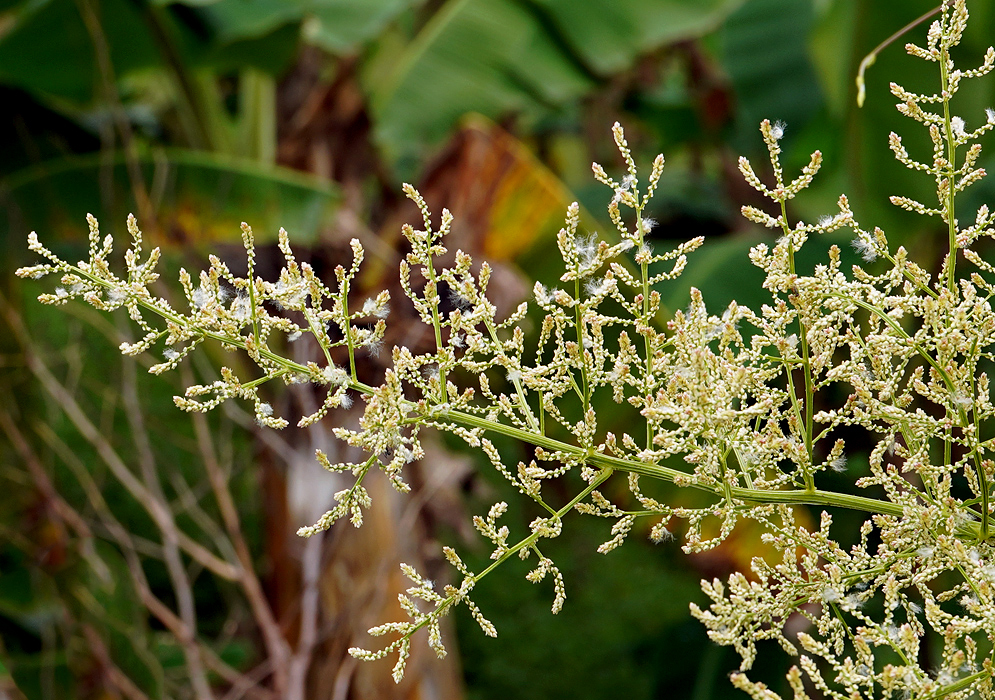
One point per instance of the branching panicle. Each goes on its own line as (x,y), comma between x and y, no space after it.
(750,407)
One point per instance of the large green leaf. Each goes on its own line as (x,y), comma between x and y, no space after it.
(236,20)
(487,56)
(337,25)
(341,25)
(765,51)
(524,56)
(198,197)
(48,50)
(831,49)
(610,34)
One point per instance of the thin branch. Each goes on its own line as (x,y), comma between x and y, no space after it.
(182,588)
(276,645)
(155,508)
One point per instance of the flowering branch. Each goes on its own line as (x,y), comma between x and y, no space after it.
(746,399)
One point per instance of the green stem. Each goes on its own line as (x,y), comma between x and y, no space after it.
(647,345)
(579,327)
(252,304)
(436,321)
(979,465)
(963,683)
(516,381)
(262,380)
(514,550)
(951,171)
(807,421)
(664,473)
(534,537)
(317,336)
(901,331)
(344,291)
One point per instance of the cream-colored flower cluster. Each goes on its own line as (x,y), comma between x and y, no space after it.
(747,401)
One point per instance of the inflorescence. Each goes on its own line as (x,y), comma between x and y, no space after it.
(742,399)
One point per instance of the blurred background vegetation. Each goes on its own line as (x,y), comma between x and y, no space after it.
(145,554)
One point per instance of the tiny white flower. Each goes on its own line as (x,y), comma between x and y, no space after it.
(586,246)
(838,464)
(170,354)
(240,308)
(865,248)
(957,126)
(852,602)
(777,131)
(459,301)
(596,286)
(660,534)
(373,345)
(960,400)
(264,409)
(990,115)
(944,678)
(200,297)
(335,376)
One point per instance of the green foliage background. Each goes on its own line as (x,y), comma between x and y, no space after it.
(200,85)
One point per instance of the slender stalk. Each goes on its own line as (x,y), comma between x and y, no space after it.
(806,366)
(517,383)
(436,321)
(348,328)
(870,58)
(951,171)
(647,345)
(515,549)
(579,328)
